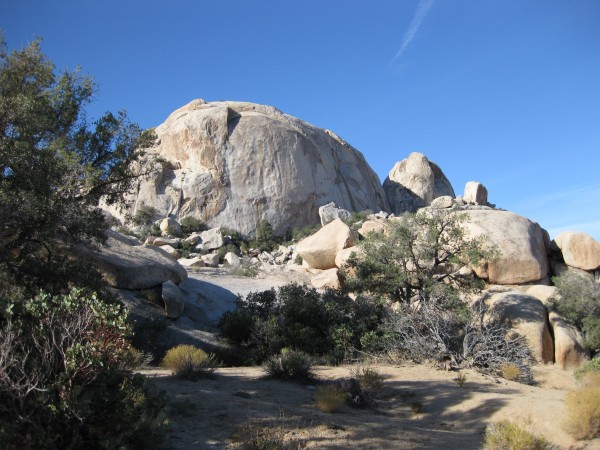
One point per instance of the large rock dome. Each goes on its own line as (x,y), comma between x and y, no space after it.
(233,163)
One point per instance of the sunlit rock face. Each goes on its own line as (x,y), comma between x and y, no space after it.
(233,164)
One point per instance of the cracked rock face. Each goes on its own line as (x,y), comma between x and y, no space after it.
(232,164)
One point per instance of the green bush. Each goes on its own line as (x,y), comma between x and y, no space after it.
(320,324)
(592,366)
(189,362)
(247,268)
(144,215)
(579,302)
(289,365)
(265,237)
(190,224)
(63,383)
(505,435)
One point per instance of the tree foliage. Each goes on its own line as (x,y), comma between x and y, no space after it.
(579,302)
(418,256)
(54,165)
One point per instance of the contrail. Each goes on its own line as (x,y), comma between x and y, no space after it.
(415,23)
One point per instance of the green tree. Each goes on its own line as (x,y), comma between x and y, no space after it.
(418,256)
(55,166)
(265,236)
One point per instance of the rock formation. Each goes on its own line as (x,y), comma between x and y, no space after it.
(413,183)
(232,164)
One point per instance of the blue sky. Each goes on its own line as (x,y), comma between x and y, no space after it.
(505,92)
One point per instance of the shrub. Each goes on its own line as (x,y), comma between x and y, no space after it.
(247,268)
(580,303)
(510,372)
(461,379)
(504,435)
(370,380)
(144,215)
(62,381)
(189,362)
(289,365)
(265,237)
(583,411)
(190,224)
(253,437)
(320,324)
(592,366)
(135,359)
(329,398)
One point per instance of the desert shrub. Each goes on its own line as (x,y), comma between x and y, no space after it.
(289,365)
(320,324)
(583,410)
(135,359)
(510,371)
(226,249)
(329,398)
(298,260)
(297,234)
(370,380)
(591,366)
(461,379)
(190,224)
(145,215)
(579,302)
(189,362)
(504,435)
(61,377)
(248,267)
(265,237)
(256,437)
(186,248)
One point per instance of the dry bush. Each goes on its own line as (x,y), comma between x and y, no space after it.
(255,437)
(189,362)
(583,409)
(510,371)
(504,435)
(369,380)
(329,398)
(289,365)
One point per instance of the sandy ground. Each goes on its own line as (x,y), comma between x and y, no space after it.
(210,413)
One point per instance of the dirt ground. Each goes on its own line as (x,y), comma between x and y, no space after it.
(214,413)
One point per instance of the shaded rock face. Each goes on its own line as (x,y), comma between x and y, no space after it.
(414,183)
(126,266)
(522,257)
(527,316)
(233,164)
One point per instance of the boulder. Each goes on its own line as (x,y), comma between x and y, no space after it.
(319,250)
(413,183)
(235,163)
(475,192)
(569,352)
(125,266)
(443,202)
(232,259)
(160,241)
(372,226)
(211,259)
(522,258)
(173,300)
(192,239)
(169,226)
(330,212)
(129,240)
(173,253)
(343,255)
(526,315)
(194,262)
(210,240)
(557,268)
(326,279)
(543,293)
(578,250)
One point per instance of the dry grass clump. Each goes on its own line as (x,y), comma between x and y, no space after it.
(289,365)
(329,398)
(369,380)
(189,362)
(510,372)
(583,408)
(253,437)
(505,435)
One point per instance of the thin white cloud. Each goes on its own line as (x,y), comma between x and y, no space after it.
(422,10)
